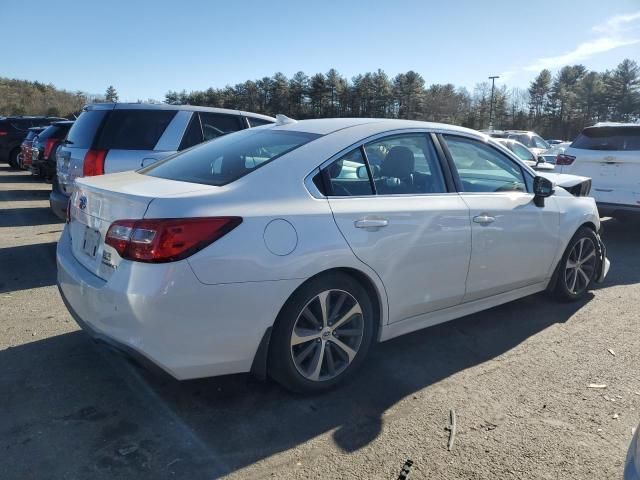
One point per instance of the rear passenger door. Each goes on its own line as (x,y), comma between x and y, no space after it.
(402,219)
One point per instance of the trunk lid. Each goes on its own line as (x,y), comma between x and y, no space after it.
(99,201)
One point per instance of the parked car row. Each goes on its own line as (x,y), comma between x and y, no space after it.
(13,130)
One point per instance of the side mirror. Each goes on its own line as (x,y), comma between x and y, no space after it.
(540,159)
(542,188)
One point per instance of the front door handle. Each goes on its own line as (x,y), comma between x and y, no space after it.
(371,223)
(484,219)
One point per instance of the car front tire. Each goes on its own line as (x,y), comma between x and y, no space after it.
(579,266)
(322,334)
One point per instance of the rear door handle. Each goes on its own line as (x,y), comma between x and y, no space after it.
(371,223)
(484,219)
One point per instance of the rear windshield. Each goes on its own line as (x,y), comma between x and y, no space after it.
(228,158)
(608,138)
(53,131)
(84,129)
(134,129)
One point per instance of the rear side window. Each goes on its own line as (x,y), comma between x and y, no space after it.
(215,125)
(608,138)
(258,122)
(193,135)
(230,157)
(348,176)
(83,131)
(21,124)
(134,129)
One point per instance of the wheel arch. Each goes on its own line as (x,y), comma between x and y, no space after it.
(259,365)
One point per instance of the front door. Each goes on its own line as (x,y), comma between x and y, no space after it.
(514,242)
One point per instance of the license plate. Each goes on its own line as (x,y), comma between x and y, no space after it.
(91,241)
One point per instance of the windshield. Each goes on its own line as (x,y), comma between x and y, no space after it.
(228,158)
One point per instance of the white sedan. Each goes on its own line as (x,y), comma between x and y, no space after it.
(290,249)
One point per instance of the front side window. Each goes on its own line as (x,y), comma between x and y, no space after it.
(405,164)
(347,177)
(540,143)
(522,152)
(215,125)
(230,157)
(482,168)
(193,134)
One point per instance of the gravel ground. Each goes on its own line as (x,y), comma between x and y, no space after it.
(517,377)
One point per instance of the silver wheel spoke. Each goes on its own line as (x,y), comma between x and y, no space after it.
(571,264)
(572,288)
(355,310)
(588,256)
(304,353)
(351,353)
(331,366)
(308,314)
(335,310)
(323,298)
(316,363)
(302,335)
(349,332)
(585,277)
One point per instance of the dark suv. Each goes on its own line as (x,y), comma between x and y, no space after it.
(13,130)
(44,148)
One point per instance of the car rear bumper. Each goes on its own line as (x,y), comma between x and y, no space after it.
(58,202)
(164,314)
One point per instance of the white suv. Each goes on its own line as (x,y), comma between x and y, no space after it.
(609,153)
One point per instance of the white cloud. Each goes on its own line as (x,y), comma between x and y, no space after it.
(581,52)
(617,23)
(614,33)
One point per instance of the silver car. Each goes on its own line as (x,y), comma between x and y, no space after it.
(116,137)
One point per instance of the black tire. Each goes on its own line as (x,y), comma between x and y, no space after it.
(281,365)
(13,158)
(566,289)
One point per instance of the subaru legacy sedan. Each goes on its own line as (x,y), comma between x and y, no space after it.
(289,249)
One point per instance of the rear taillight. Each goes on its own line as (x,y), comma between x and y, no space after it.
(3,133)
(48,147)
(166,240)
(94,163)
(562,159)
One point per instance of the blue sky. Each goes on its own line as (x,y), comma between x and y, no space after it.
(145,48)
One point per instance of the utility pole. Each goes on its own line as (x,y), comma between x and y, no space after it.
(493,86)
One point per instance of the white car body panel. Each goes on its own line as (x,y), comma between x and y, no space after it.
(207,314)
(429,271)
(615,174)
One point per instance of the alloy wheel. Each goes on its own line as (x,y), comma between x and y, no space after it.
(580,266)
(327,335)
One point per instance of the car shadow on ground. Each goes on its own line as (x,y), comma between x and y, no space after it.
(76,407)
(622,239)
(230,422)
(27,266)
(27,217)
(26,194)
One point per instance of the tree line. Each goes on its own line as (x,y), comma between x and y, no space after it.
(557,106)
(22,97)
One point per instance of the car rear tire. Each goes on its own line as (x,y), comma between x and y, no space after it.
(322,334)
(578,267)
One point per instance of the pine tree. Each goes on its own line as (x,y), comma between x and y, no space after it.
(111,95)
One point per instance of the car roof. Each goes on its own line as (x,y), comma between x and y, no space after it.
(325,126)
(165,106)
(614,124)
(63,122)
